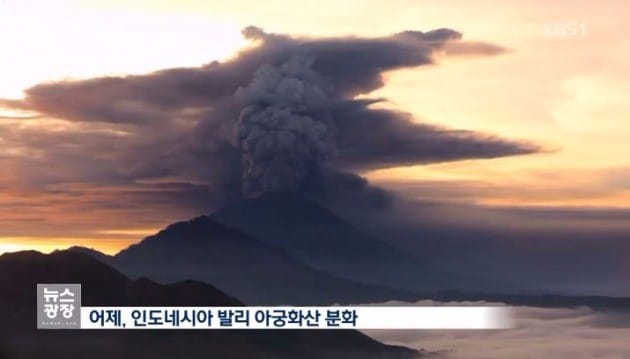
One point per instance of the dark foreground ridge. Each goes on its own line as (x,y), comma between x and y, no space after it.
(104,286)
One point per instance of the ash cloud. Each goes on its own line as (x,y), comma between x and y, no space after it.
(281,115)
(285,132)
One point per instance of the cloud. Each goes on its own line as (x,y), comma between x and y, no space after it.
(540,333)
(279,115)
(77,210)
(282,135)
(351,65)
(376,138)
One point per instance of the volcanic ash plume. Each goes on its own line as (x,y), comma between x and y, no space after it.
(283,132)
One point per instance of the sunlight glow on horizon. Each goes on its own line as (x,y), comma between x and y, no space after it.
(51,244)
(129,232)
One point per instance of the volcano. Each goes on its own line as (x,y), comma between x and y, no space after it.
(320,239)
(205,250)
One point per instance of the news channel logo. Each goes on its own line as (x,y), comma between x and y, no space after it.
(564,29)
(58,306)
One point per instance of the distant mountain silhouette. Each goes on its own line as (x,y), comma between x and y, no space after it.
(103,286)
(105,258)
(204,250)
(317,237)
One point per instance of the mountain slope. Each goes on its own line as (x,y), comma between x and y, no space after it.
(103,286)
(317,237)
(204,250)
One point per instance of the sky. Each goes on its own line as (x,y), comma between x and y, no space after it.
(559,82)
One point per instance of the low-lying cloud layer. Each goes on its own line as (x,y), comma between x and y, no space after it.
(578,333)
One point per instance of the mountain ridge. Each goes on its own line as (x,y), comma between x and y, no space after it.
(105,286)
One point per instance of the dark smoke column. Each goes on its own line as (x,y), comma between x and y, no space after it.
(283,132)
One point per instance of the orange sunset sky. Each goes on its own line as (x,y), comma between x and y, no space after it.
(563,84)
